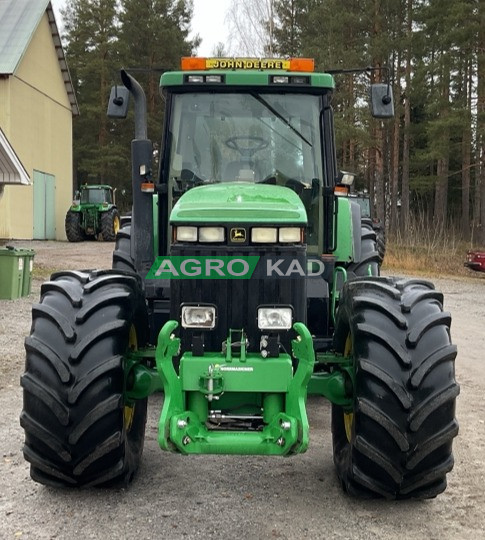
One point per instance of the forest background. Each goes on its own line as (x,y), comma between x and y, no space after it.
(424,169)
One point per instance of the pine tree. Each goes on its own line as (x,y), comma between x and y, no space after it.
(91,36)
(101,37)
(480,184)
(154,35)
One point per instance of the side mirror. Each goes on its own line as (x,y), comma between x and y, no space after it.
(382,101)
(346,178)
(119,100)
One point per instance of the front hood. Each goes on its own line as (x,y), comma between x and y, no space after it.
(239,202)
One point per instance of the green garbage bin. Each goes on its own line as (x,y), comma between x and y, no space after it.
(27,256)
(11,273)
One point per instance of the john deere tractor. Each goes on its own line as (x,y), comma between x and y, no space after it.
(93,213)
(369,221)
(241,285)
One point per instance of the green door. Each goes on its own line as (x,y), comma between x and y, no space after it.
(44,206)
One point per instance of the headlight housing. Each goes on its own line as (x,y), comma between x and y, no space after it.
(186,234)
(264,235)
(275,318)
(290,235)
(211,234)
(198,316)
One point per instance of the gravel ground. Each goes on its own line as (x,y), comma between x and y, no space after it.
(238,497)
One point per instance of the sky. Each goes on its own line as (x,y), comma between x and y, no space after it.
(208,21)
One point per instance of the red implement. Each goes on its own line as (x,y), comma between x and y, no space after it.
(475,260)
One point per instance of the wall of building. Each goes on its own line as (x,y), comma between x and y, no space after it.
(37,120)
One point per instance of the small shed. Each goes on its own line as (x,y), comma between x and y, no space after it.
(37,105)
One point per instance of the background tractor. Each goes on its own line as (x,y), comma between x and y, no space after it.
(93,212)
(362,198)
(248,174)
(370,222)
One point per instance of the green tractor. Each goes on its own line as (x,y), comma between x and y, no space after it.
(369,221)
(362,198)
(241,286)
(93,213)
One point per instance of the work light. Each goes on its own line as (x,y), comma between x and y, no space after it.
(213,78)
(199,317)
(281,79)
(274,318)
(195,79)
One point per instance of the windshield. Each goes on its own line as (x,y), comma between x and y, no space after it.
(250,137)
(95,196)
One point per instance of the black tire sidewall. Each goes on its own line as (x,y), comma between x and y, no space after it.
(98,310)
(374,311)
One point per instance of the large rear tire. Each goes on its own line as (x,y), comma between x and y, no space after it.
(396,440)
(122,253)
(110,225)
(368,265)
(380,231)
(79,428)
(73,228)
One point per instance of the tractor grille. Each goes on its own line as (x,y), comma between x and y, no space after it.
(237,300)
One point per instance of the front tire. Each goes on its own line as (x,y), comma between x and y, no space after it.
(110,225)
(73,227)
(396,440)
(79,429)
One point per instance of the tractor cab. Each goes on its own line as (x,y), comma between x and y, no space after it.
(248,136)
(90,194)
(250,126)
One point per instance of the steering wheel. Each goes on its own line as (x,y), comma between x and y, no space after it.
(296,185)
(254,144)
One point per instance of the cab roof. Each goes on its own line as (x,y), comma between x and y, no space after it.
(95,186)
(269,72)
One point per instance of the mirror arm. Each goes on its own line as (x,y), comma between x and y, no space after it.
(140,104)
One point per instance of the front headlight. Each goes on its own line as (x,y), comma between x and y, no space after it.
(273,318)
(264,235)
(211,234)
(186,234)
(199,317)
(290,235)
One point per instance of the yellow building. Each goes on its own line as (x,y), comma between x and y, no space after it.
(37,104)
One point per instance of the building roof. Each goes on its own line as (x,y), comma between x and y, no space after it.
(19,20)
(11,169)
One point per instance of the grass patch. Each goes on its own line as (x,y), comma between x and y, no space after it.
(428,249)
(42,272)
(424,259)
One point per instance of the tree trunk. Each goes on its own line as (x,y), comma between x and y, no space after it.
(441,189)
(481,121)
(407,125)
(395,152)
(466,154)
(379,196)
